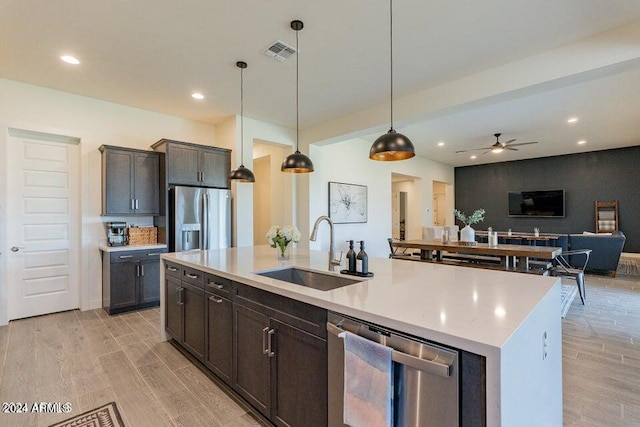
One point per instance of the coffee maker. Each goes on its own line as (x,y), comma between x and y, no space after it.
(116,233)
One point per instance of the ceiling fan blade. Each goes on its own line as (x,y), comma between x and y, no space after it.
(523,143)
(509,148)
(486,152)
(508,142)
(473,149)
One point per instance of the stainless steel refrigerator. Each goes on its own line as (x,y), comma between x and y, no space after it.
(199,218)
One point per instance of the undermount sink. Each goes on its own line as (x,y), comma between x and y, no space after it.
(308,278)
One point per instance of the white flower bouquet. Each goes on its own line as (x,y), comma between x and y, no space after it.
(280,237)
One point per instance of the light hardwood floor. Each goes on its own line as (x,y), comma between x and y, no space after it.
(90,358)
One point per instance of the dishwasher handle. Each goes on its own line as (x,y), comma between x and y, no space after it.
(430,366)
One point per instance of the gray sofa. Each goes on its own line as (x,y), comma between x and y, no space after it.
(606,250)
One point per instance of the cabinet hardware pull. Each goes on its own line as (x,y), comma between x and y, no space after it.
(264,340)
(192,276)
(142,270)
(215,285)
(216,300)
(172,268)
(137,205)
(181,296)
(137,271)
(133,206)
(153,254)
(271,333)
(177,295)
(126,256)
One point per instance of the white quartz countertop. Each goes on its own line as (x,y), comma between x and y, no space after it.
(469,308)
(106,248)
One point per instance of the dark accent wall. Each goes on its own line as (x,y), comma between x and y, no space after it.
(586,177)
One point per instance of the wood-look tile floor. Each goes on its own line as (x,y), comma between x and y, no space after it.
(90,358)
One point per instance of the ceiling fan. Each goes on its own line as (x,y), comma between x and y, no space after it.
(498,147)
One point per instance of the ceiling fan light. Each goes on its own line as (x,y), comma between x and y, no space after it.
(297,163)
(242,174)
(497,150)
(392,146)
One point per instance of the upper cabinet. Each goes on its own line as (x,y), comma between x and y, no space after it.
(195,165)
(130,181)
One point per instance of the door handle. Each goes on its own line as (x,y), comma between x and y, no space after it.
(216,300)
(271,333)
(17,248)
(137,204)
(215,285)
(181,296)
(192,276)
(133,205)
(137,271)
(264,340)
(141,269)
(172,268)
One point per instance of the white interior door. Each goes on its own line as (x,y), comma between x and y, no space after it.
(43,222)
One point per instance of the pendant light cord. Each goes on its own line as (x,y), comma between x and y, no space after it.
(297,91)
(241,116)
(391,52)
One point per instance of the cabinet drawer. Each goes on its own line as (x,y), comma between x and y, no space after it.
(151,254)
(218,285)
(173,270)
(193,276)
(125,256)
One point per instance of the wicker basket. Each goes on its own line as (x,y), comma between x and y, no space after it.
(143,235)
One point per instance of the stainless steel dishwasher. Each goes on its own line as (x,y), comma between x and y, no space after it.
(425,375)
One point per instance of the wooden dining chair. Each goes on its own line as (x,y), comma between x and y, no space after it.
(562,268)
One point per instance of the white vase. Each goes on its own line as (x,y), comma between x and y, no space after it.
(467,234)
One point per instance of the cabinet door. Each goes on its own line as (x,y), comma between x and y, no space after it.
(118,185)
(252,365)
(193,341)
(215,166)
(173,308)
(219,353)
(123,284)
(299,377)
(149,282)
(146,187)
(182,164)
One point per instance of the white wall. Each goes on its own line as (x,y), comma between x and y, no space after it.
(262,217)
(254,131)
(349,162)
(94,122)
(281,197)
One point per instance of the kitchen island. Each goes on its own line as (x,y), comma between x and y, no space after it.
(510,319)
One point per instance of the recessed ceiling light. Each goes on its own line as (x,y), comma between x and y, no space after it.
(582,141)
(440,144)
(474,156)
(197,95)
(572,120)
(70,59)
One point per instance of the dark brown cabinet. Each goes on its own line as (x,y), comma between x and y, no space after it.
(130,279)
(281,357)
(195,165)
(219,328)
(130,181)
(185,308)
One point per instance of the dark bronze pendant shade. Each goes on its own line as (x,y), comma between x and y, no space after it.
(392,145)
(242,174)
(297,162)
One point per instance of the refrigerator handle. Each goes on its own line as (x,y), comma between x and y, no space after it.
(205,221)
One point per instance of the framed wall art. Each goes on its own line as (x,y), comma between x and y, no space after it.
(347,203)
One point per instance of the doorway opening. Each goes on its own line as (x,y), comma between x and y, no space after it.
(405,207)
(442,203)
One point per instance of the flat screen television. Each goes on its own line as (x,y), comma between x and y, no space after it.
(548,203)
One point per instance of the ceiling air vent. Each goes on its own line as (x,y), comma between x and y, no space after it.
(280,51)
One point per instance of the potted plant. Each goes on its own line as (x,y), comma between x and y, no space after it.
(467,234)
(536,231)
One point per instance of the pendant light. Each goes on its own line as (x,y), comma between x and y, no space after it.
(242,174)
(391,145)
(297,162)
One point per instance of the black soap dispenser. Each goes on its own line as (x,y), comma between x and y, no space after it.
(362,261)
(351,258)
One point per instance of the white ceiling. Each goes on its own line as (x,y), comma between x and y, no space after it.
(153,54)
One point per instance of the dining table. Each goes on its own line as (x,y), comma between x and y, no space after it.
(511,256)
